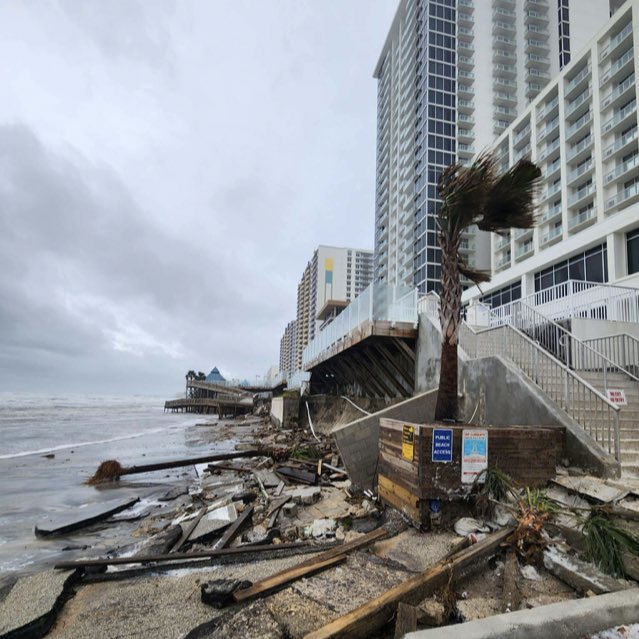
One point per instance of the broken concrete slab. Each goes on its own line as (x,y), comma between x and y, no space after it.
(568,620)
(212,522)
(305,496)
(580,575)
(82,517)
(592,487)
(31,606)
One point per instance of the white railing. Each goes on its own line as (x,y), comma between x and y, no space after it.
(623,349)
(591,300)
(582,402)
(379,302)
(562,344)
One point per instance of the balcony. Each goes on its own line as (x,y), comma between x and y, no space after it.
(619,118)
(524,250)
(465,33)
(538,61)
(502,241)
(534,45)
(578,151)
(581,194)
(465,19)
(577,126)
(578,81)
(503,262)
(521,233)
(581,220)
(504,97)
(465,62)
(465,118)
(552,190)
(623,197)
(618,92)
(503,28)
(504,70)
(622,169)
(548,109)
(549,150)
(580,170)
(465,89)
(615,42)
(535,17)
(502,55)
(521,135)
(465,45)
(552,169)
(500,13)
(466,148)
(617,66)
(522,153)
(465,134)
(533,89)
(550,128)
(579,104)
(551,213)
(465,74)
(620,144)
(466,106)
(551,236)
(505,42)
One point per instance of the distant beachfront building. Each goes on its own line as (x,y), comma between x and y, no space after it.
(452,76)
(288,349)
(215,376)
(331,280)
(582,132)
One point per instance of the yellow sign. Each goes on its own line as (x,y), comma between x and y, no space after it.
(408,442)
(328,264)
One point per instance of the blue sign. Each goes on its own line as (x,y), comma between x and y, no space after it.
(442,445)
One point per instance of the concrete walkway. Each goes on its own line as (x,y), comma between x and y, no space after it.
(566,620)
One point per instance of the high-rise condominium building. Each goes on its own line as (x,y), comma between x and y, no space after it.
(452,76)
(333,277)
(582,132)
(288,349)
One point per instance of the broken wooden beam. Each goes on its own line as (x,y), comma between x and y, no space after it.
(82,517)
(286,576)
(298,474)
(366,620)
(211,554)
(406,620)
(234,529)
(186,533)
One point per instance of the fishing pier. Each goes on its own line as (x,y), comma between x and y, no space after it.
(207,397)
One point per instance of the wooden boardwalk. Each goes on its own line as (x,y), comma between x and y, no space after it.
(207,398)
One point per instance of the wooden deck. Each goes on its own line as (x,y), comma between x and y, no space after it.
(206,405)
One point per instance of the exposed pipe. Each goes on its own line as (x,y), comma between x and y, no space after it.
(310,421)
(355,405)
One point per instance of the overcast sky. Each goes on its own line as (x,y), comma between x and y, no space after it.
(166,170)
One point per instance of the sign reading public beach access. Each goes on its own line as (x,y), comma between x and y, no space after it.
(442,445)
(474,454)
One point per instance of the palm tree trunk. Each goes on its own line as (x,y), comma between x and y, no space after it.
(449,315)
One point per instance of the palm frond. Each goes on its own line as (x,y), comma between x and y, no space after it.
(510,202)
(606,542)
(474,275)
(464,192)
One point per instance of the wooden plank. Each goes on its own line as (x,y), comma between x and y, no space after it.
(284,577)
(190,528)
(366,620)
(82,517)
(278,490)
(239,551)
(400,498)
(406,620)
(233,530)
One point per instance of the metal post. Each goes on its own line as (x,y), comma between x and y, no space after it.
(617,442)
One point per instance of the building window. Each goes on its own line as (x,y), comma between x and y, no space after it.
(503,296)
(632,248)
(590,266)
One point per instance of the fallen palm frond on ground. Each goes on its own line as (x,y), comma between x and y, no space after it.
(496,487)
(606,543)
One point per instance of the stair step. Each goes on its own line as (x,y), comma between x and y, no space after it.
(629,456)
(629,445)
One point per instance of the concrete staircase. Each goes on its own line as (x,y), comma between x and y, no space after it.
(628,415)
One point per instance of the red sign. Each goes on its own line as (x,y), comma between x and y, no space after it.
(617,396)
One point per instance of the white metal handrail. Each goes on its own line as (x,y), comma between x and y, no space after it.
(378,302)
(623,349)
(569,349)
(579,298)
(582,402)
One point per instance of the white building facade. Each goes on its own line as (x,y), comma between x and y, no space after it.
(452,76)
(582,132)
(331,280)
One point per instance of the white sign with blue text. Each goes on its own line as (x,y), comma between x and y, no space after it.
(442,445)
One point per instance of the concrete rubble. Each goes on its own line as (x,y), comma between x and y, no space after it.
(248,505)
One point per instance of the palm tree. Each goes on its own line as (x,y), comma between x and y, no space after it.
(478,195)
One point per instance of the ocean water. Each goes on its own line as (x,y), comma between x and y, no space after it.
(81,431)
